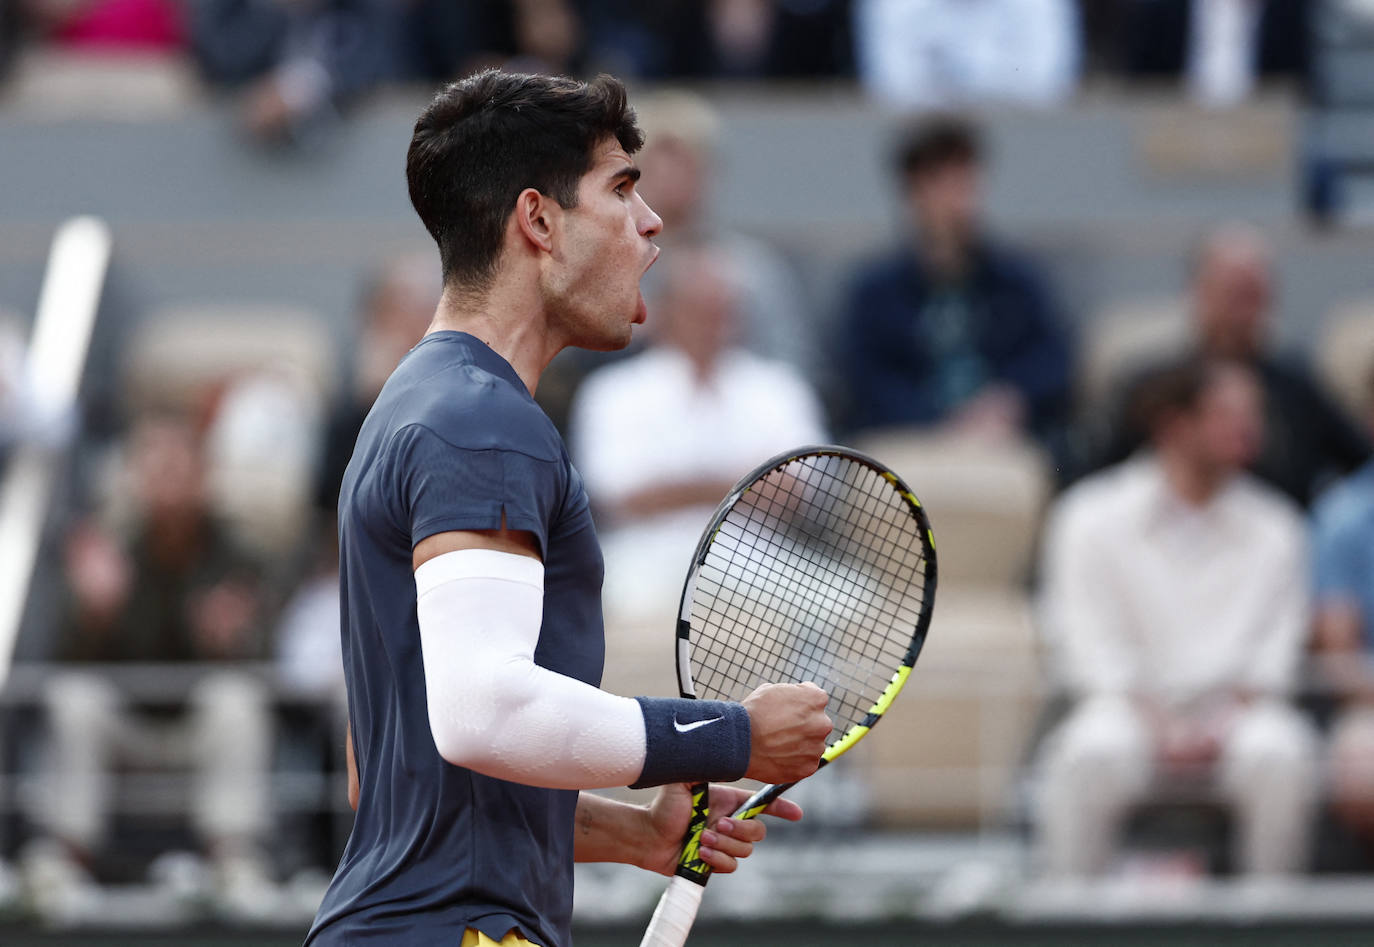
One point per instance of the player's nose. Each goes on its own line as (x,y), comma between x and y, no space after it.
(650,224)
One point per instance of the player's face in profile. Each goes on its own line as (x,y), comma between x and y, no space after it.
(605,248)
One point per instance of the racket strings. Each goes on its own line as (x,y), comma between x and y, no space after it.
(816,573)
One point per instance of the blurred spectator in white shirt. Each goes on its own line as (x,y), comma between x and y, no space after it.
(660,437)
(940,53)
(1343,541)
(1175,598)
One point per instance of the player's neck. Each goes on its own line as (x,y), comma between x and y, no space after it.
(501,319)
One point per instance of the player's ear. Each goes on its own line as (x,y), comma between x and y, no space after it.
(537,217)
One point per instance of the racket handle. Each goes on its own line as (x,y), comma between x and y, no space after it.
(673,917)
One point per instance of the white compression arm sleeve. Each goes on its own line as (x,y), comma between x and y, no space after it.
(491,708)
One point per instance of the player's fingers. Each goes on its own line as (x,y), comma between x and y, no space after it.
(746,830)
(720,863)
(723,850)
(784,809)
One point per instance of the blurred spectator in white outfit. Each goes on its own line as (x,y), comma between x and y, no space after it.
(941,53)
(1343,541)
(660,437)
(1176,597)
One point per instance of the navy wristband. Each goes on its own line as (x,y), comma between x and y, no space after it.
(692,741)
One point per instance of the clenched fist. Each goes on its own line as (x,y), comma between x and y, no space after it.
(788,727)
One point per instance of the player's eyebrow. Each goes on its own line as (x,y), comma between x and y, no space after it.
(627,173)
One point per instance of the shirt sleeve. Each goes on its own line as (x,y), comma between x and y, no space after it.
(1275,660)
(444,487)
(1336,556)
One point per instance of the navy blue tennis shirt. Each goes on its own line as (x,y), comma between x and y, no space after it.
(455,442)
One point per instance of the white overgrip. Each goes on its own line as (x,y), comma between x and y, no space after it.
(673,917)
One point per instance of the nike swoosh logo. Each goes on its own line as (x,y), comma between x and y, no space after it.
(688,727)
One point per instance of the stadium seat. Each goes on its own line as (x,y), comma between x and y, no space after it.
(984,500)
(1345,353)
(56,83)
(264,372)
(948,756)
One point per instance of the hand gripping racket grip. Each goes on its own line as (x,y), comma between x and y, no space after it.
(673,917)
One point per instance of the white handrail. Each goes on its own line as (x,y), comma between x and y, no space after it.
(62,330)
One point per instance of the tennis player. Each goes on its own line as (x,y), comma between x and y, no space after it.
(471,573)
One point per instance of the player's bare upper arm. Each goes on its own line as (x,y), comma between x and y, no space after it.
(515,541)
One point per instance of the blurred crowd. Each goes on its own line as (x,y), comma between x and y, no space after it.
(295,62)
(1205,587)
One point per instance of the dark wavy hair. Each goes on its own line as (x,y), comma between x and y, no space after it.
(486,138)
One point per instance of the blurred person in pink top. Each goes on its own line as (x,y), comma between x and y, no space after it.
(108,25)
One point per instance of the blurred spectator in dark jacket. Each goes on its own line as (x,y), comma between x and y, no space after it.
(297,60)
(752,38)
(453,39)
(1219,47)
(1343,543)
(951,329)
(1308,439)
(176,590)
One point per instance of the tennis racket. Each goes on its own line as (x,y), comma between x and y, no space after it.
(819,566)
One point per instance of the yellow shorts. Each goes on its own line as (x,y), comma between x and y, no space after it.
(472,938)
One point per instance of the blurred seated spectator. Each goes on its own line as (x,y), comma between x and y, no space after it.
(1343,541)
(298,60)
(177,590)
(450,40)
(756,39)
(952,330)
(397,305)
(1219,47)
(1308,439)
(660,437)
(105,25)
(942,53)
(1175,597)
